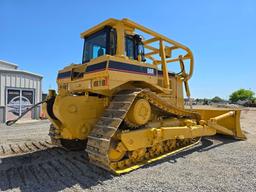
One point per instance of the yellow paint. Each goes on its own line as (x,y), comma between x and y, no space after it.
(138,165)
(221,119)
(82,99)
(147,137)
(171,86)
(77,115)
(140,112)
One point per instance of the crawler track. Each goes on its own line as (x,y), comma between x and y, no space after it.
(23,148)
(99,140)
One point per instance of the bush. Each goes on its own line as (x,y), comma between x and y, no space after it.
(241,94)
(216,99)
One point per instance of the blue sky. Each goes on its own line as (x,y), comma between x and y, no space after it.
(43,36)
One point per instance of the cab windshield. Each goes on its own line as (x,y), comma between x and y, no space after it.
(98,44)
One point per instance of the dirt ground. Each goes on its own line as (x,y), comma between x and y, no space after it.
(217,164)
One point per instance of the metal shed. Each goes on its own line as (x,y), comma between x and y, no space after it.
(19,90)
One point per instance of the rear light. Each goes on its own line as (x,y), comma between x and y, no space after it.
(96,83)
(100,82)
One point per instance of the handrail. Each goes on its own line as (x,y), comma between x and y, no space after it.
(158,36)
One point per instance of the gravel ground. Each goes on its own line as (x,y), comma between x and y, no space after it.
(23,132)
(217,164)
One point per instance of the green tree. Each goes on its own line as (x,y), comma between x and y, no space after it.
(241,94)
(216,99)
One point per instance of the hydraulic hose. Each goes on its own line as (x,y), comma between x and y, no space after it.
(11,122)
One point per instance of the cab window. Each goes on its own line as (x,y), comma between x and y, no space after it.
(94,46)
(99,43)
(129,47)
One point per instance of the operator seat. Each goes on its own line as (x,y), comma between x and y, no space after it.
(100,52)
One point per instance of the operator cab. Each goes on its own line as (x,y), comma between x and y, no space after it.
(104,42)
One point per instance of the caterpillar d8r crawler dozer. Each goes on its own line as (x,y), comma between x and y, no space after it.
(123,106)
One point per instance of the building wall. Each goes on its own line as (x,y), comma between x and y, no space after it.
(19,80)
(2,114)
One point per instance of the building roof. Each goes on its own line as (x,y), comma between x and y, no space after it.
(6,66)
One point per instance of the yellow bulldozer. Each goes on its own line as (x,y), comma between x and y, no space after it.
(122,104)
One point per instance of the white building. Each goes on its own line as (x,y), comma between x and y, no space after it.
(19,90)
